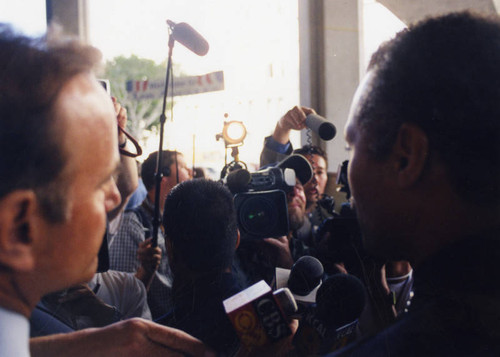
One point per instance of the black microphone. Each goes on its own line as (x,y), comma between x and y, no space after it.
(238,180)
(189,37)
(304,281)
(321,126)
(330,323)
(305,275)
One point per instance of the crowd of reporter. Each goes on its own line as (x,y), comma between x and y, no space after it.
(81,274)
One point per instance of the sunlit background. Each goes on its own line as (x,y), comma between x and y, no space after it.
(255,44)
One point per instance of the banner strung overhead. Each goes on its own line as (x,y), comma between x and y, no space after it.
(154,89)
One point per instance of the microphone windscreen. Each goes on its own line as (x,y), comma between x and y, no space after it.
(238,180)
(340,299)
(305,275)
(321,126)
(189,37)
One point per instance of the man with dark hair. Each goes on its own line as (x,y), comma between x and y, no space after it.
(58,139)
(315,188)
(134,233)
(170,161)
(425,176)
(202,235)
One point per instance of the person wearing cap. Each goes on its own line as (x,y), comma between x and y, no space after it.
(257,259)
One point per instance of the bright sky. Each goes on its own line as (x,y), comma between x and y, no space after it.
(30,22)
(248,40)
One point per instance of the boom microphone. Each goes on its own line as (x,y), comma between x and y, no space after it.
(331,323)
(189,37)
(321,126)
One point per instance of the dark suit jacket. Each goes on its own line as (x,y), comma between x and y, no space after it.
(456,308)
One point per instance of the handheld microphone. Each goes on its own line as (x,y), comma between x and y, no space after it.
(189,37)
(330,323)
(321,126)
(259,316)
(305,275)
(303,280)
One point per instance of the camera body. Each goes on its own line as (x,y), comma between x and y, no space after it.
(261,202)
(272,178)
(340,236)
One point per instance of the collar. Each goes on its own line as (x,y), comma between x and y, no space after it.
(14,339)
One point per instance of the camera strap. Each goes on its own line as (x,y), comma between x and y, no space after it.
(123,151)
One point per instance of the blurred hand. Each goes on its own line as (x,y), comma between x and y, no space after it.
(149,256)
(280,251)
(295,118)
(121,118)
(128,338)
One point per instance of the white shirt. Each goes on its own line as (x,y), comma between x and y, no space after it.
(14,334)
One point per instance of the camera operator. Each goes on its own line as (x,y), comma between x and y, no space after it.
(257,259)
(278,146)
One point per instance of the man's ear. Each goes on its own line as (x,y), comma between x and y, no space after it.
(412,152)
(17,210)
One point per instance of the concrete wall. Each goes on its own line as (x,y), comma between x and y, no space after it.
(331,39)
(71,15)
(410,11)
(331,42)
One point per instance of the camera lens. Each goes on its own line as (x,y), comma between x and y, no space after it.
(258,215)
(262,214)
